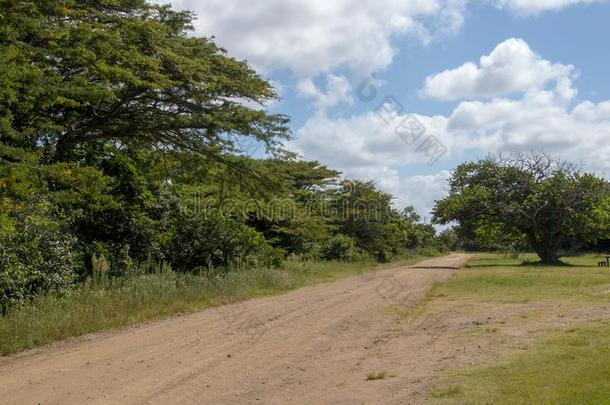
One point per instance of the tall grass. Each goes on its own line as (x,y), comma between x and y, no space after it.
(109,303)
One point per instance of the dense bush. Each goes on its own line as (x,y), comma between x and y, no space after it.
(448,240)
(115,163)
(343,248)
(205,241)
(36,258)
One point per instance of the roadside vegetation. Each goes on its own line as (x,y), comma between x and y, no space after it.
(109,302)
(548,331)
(126,146)
(501,279)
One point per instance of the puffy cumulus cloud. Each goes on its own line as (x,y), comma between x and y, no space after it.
(511,67)
(316,36)
(372,145)
(338,90)
(368,146)
(421,191)
(588,111)
(376,139)
(533,7)
(540,120)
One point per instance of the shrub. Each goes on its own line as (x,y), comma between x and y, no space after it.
(122,263)
(35,258)
(99,266)
(343,248)
(428,251)
(213,242)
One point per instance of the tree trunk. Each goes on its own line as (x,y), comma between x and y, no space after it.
(549,256)
(547,249)
(548,252)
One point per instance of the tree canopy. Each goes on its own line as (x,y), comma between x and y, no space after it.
(531,199)
(120,139)
(77,74)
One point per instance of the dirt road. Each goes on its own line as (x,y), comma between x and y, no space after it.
(312,346)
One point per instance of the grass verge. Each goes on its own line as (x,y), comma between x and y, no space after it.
(559,365)
(570,367)
(111,304)
(494,278)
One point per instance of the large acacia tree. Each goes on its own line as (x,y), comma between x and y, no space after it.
(75,74)
(531,198)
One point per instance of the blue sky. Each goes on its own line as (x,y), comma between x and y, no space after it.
(479,77)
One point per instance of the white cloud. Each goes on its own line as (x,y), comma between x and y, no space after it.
(310,37)
(338,90)
(540,120)
(421,191)
(371,140)
(588,111)
(533,7)
(317,36)
(511,67)
(543,117)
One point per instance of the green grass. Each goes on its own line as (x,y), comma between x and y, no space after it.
(569,367)
(446,392)
(118,303)
(493,278)
(564,366)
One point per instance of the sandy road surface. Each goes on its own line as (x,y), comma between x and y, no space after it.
(312,346)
